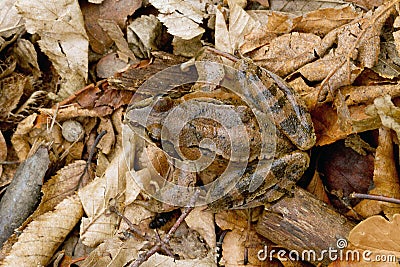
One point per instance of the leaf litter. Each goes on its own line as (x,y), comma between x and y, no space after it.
(340,56)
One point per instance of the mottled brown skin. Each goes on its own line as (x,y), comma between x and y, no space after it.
(295,133)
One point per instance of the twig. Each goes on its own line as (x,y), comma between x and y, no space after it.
(9,162)
(157,247)
(91,153)
(129,223)
(375,197)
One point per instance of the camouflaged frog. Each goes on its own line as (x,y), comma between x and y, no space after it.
(209,127)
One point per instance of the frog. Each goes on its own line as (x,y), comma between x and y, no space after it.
(268,94)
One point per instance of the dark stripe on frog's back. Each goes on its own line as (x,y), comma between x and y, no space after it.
(288,110)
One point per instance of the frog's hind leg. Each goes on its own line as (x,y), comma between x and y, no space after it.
(287,170)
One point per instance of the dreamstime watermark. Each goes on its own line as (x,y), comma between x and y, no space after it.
(332,254)
(149,108)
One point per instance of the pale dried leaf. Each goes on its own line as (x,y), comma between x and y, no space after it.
(287,52)
(69,112)
(322,21)
(388,112)
(203,222)
(378,235)
(63,38)
(115,33)
(113,252)
(27,57)
(182,18)
(240,24)
(108,141)
(9,18)
(19,139)
(222,38)
(43,236)
(272,24)
(161,260)
(386,180)
(100,224)
(235,244)
(302,6)
(147,30)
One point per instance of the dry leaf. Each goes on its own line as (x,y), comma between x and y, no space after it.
(19,139)
(108,141)
(100,224)
(115,33)
(323,20)
(316,187)
(144,33)
(60,186)
(377,235)
(222,38)
(27,57)
(110,64)
(388,112)
(10,20)
(203,222)
(117,11)
(113,251)
(41,238)
(287,52)
(161,260)
(386,179)
(182,18)
(301,6)
(63,39)
(11,89)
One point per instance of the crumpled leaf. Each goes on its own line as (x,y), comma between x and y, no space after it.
(117,11)
(10,22)
(388,112)
(20,139)
(11,89)
(113,253)
(323,20)
(96,196)
(115,33)
(41,238)
(63,38)
(161,260)
(240,24)
(203,222)
(182,18)
(386,180)
(27,57)
(378,235)
(301,6)
(145,33)
(357,47)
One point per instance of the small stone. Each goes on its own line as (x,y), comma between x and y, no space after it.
(72,131)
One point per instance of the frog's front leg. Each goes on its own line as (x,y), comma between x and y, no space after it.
(279,181)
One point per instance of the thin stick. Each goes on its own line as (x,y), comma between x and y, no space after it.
(91,153)
(157,247)
(375,197)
